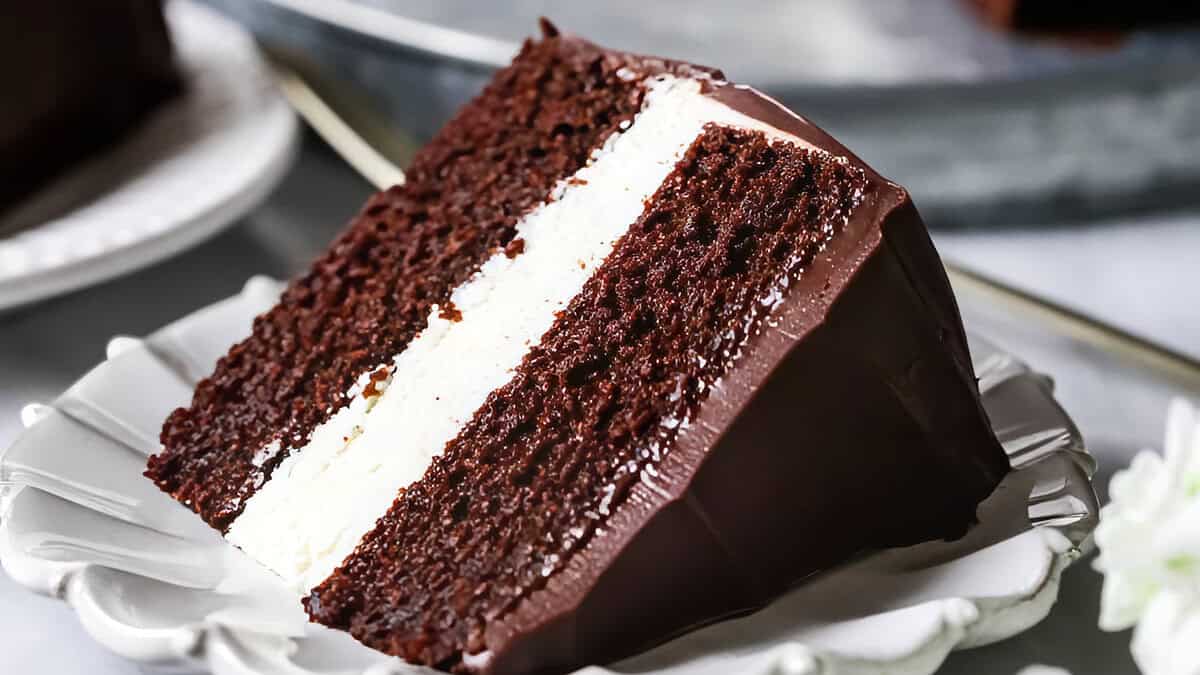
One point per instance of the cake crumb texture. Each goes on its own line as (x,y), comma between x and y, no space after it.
(410,246)
(597,404)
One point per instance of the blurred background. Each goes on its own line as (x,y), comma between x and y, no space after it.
(1056,149)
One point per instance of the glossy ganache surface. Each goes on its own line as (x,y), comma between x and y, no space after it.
(851,423)
(596,405)
(766,366)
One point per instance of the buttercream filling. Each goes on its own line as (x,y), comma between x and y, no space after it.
(332,489)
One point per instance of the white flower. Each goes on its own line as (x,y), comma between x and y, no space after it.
(1149,540)
(1167,639)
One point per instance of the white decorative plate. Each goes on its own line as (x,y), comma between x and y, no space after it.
(153,583)
(195,166)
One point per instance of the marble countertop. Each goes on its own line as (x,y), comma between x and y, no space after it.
(1138,272)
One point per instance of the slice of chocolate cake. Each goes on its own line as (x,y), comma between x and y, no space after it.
(634,349)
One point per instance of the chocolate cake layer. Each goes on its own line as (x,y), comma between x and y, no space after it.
(591,507)
(77,76)
(365,299)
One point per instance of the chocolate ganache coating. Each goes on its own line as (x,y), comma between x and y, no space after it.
(844,418)
(855,424)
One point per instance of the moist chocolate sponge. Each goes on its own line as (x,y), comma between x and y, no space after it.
(363,301)
(586,511)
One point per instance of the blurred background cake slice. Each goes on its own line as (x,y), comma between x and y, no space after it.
(76,76)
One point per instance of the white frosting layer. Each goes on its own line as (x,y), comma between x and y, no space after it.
(326,495)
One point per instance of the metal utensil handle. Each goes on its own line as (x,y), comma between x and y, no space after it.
(1173,365)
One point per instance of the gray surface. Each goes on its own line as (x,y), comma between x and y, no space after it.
(982,128)
(810,42)
(1140,273)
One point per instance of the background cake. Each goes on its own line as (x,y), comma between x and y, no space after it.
(77,75)
(632,350)
(1063,16)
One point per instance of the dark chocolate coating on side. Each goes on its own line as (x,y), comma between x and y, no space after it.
(594,405)
(871,376)
(845,419)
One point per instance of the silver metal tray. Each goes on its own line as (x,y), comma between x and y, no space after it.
(982,127)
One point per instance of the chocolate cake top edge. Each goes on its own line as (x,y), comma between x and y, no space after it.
(742,98)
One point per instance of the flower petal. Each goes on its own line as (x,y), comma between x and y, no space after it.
(1167,641)
(1181,446)
(1123,600)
